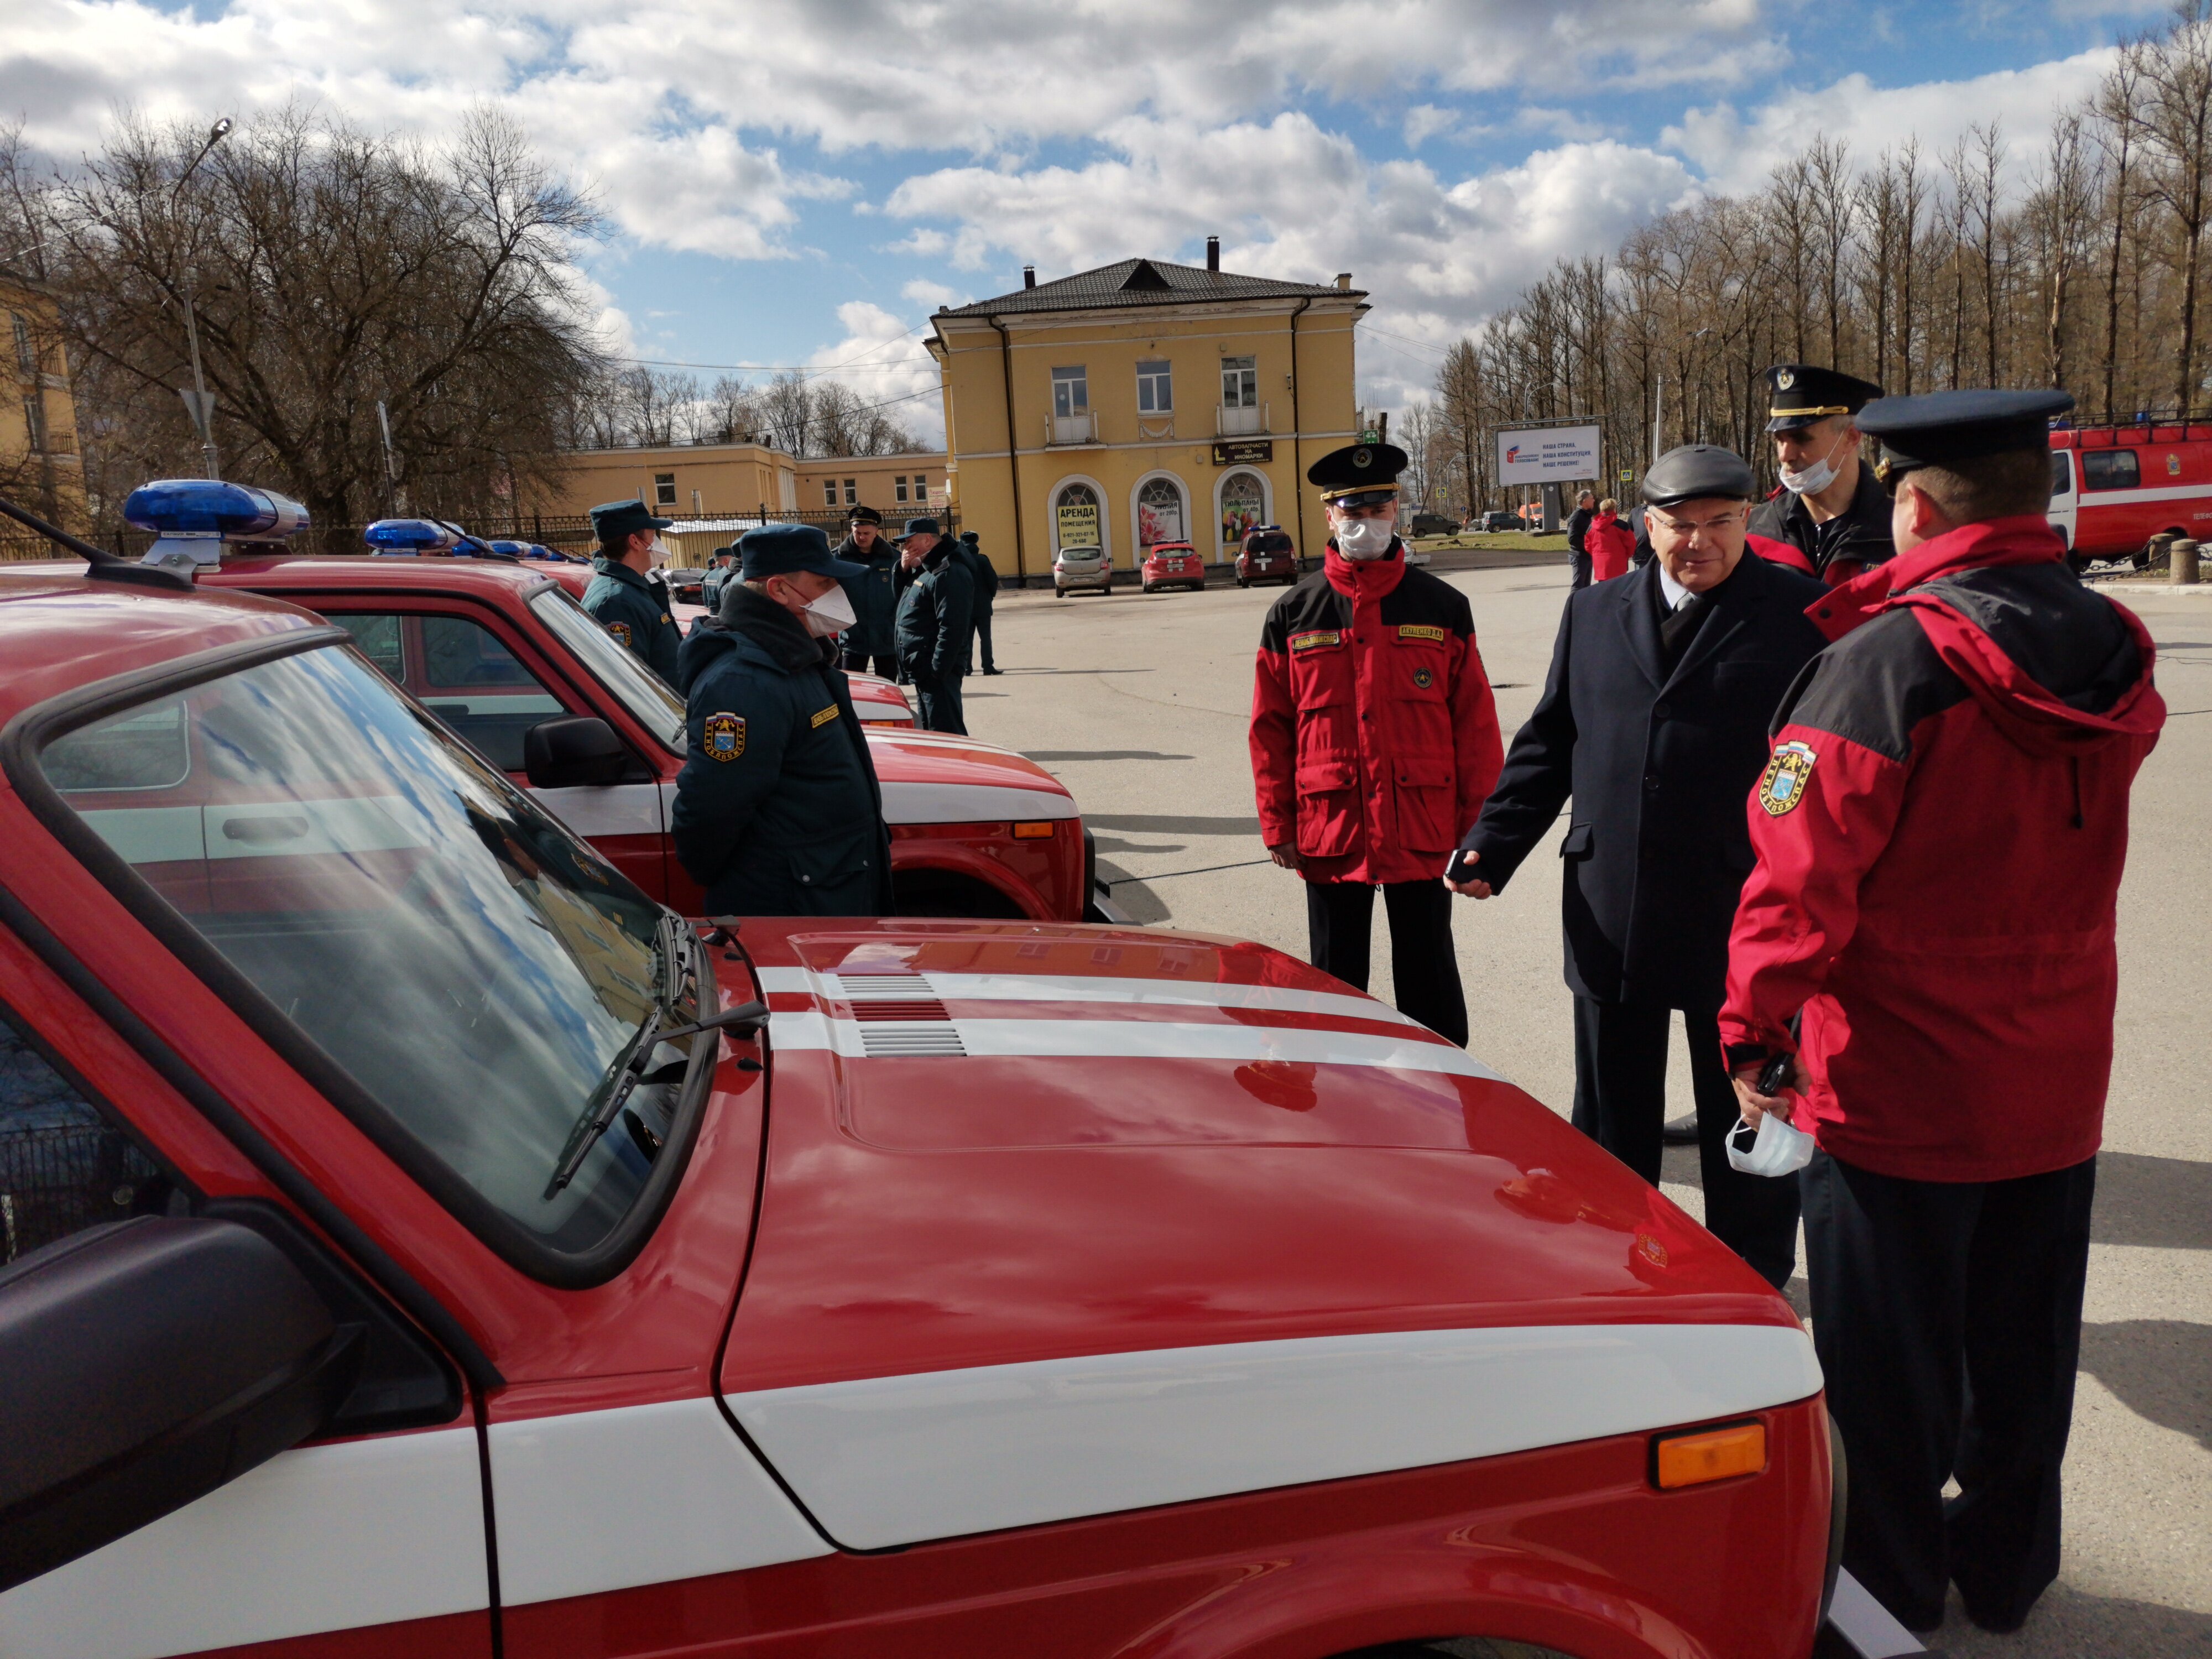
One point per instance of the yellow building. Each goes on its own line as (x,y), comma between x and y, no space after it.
(690,481)
(897,486)
(1143,402)
(39,466)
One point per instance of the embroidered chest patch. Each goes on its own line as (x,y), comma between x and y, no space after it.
(824,717)
(1315,639)
(723,737)
(1782,784)
(1424,677)
(1422,631)
(620,630)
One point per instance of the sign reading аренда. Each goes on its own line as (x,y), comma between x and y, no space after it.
(1547,454)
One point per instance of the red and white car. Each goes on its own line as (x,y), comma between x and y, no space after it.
(398,1267)
(1171,564)
(493,649)
(2113,488)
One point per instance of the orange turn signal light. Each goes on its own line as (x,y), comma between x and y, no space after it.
(1691,1459)
(1034,831)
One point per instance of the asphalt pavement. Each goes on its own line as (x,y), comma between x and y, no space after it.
(1141,705)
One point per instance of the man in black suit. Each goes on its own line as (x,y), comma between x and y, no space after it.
(1653,719)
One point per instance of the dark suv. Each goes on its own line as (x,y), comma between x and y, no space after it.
(1268,555)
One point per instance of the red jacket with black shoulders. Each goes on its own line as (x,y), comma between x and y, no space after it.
(1374,736)
(1940,833)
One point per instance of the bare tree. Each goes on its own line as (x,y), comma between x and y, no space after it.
(2117,131)
(2060,215)
(2176,120)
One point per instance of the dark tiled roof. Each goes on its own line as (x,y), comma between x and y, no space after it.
(1143,283)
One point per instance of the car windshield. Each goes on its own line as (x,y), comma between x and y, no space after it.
(472,966)
(650,701)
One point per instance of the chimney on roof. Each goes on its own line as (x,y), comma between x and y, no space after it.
(1344,280)
(1029,276)
(1213,253)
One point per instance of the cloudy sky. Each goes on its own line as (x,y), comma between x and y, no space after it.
(801,182)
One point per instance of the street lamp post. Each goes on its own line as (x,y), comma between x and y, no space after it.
(203,406)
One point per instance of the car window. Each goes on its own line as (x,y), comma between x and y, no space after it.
(478,974)
(2061,472)
(380,641)
(651,701)
(2110,469)
(473,683)
(63,1165)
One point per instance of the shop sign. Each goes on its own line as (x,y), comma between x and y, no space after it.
(1243,452)
(1078,524)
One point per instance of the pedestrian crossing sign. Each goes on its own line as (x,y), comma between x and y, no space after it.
(1783,785)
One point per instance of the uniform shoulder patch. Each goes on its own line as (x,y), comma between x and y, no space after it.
(1316,639)
(1424,677)
(1782,786)
(1423,631)
(824,717)
(723,737)
(620,630)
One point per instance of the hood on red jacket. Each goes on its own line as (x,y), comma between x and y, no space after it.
(2059,668)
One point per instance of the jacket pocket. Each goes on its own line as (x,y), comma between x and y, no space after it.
(1576,845)
(1329,807)
(1427,804)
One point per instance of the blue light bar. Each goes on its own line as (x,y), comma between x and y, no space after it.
(208,506)
(405,536)
(510,548)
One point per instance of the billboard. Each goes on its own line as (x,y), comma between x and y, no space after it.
(1547,454)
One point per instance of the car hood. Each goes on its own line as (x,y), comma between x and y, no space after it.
(935,777)
(999,1142)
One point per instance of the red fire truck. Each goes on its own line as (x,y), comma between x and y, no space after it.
(2112,487)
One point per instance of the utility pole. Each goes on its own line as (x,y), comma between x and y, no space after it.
(196,401)
(1658,404)
(391,465)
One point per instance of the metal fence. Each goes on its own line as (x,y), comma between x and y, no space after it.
(55,1181)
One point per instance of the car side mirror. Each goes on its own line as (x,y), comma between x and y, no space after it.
(572,751)
(142,1364)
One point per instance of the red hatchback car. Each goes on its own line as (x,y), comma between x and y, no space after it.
(1172,564)
(422,1243)
(1268,555)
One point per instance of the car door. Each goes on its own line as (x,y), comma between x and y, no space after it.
(483,682)
(372,1533)
(2065,501)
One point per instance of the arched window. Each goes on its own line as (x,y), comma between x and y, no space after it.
(1160,514)
(1244,506)
(1078,518)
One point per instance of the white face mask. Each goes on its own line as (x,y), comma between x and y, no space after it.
(1781,1148)
(1816,477)
(1365,539)
(832,613)
(660,552)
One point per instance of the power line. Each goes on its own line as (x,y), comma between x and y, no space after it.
(808,371)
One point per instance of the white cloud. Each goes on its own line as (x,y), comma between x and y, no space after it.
(1736,153)
(883,361)
(925,293)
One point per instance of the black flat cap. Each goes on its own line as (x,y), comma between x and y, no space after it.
(1938,428)
(1357,474)
(780,549)
(1802,393)
(922,526)
(970,537)
(1697,472)
(612,520)
(864,515)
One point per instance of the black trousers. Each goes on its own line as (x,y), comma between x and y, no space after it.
(887,664)
(982,639)
(1620,1103)
(941,708)
(1581,562)
(1947,1318)
(1340,923)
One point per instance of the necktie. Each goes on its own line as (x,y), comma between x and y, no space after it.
(1681,626)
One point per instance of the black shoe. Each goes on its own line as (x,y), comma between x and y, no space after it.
(1681,1131)
(1995,1623)
(994,670)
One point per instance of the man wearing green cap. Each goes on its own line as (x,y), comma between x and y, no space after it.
(620,598)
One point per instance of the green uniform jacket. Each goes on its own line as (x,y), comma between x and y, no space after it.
(777,812)
(629,607)
(936,615)
(875,597)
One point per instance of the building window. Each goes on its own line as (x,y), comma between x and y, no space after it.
(921,486)
(1155,389)
(35,422)
(1240,382)
(829,492)
(663,489)
(1070,392)
(1244,506)
(1075,518)
(852,492)
(898,483)
(1159,513)
(26,350)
